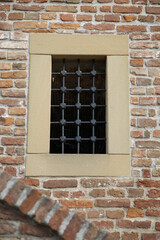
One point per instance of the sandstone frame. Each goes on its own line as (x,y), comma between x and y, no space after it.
(116,162)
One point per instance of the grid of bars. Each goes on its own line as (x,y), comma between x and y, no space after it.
(78,106)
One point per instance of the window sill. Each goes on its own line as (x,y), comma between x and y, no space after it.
(78,165)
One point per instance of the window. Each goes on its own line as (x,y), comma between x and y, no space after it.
(110,55)
(78,103)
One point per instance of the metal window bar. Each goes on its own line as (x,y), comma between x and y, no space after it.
(78,139)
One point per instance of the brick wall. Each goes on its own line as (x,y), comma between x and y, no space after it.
(128,207)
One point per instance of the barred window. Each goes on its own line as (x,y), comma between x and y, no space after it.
(78,105)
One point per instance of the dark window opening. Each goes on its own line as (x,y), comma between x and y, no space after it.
(78,103)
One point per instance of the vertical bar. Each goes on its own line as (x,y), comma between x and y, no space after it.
(63,85)
(78,101)
(93,101)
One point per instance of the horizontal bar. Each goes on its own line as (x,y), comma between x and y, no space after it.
(74,73)
(82,89)
(82,139)
(81,106)
(82,122)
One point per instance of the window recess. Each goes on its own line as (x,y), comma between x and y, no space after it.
(109,54)
(78,106)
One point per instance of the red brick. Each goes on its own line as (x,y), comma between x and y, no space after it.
(134,224)
(116,192)
(105,9)
(6,227)
(34,230)
(73,227)
(97,193)
(90,9)
(157,81)
(148,183)
(52,8)
(17,111)
(137,62)
(153,10)
(131,28)
(95,182)
(147,100)
(60,194)
(130,236)
(30,201)
(149,236)
(11,170)
(44,207)
(4,178)
(30,25)
(144,18)
(156,36)
(135,192)
(139,153)
(5,131)
(153,193)
(5,26)
(121,1)
(77,203)
(153,213)
(104,224)
(125,183)
(127,9)
(48,16)
(15,74)
(13,93)
(92,232)
(112,203)
(2,111)
(112,18)
(58,218)
(115,214)
(13,141)
(30,181)
(3,16)
(128,18)
(4,7)
(140,162)
(67,17)
(94,213)
(64,25)
(8,160)
(7,121)
(15,16)
(21,7)
(157,226)
(137,134)
(14,193)
(60,183)
(84,17)
(100,27)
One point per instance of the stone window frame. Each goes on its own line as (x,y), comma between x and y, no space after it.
(116,162)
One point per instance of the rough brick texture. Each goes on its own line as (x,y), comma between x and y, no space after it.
(102,200)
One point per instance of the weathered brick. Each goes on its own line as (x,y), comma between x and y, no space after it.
(128,18)
(135,193)
(7,121)
(94,213)
(73,227)
(137,62)
(125,183)
(139,153)
(3,16)
(153,10)
(144,18)
(30,181)
(34,230)
(112,18)
(18,36)
(5,26)
(100,27)
(64,25)
(58,218)
(146,122)
(11,170)
(143,45)
(95,182)
(142,54)
(105,9)
(148,144)
(48,16)
(84,17)
(153,213)
(13,93)
(12,141)
(6,227)
(127,9)
(17,111)
(147,101)
(148,183)
(130,236)
(143,81)
(112,203)
(4,178)
(135,212)
(17,56)
(149,236)
(115,214)
(104,224)
(30,201)
(60,194)
(20,121)
(67,17)
(140,162)
(15,16)
(89,9)
(19,132)
(139,36)
(44,207)
(60,183)
(21,7)
(139,111)
(30,25)
(135,224)
(77,203)
(5,131)
(131,28)
(154,153)
(51,8)
(14,193)
(4,7)
(116,192)
(97,193)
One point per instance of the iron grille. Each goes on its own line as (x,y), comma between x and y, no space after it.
(78,103)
